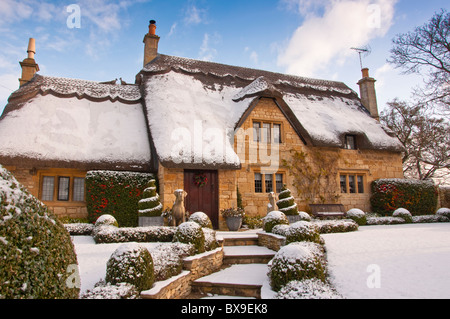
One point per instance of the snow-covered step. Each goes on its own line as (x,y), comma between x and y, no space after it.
(237,280)
(247,255)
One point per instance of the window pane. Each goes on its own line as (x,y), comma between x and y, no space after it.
(48,186)
(350,142)
(258,183)
(78,189)
(269,183)
(343,183)
(351,184)
(266,133)
(360,184)
(277,133)
(256,131)
(279,182)
(63,188)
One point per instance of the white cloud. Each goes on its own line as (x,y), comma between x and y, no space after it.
(194,15)
(172,29)
(330,29)
(11,11)
(207,53)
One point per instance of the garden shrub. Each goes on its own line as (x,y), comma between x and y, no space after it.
(168,259)
(133,264)
(37,257)
(202,219)
(419,197)
(308,289)
(106,220)
(191,233)
(302,231)
(305,216)
(253,222)
(286,202)
(111,234)
(104,290)
(281,229)
(79,229)
(358,216)
(403,213)
(150,205)
(336,226)
(297,261)
(116,194)
(443,212)
(274,218)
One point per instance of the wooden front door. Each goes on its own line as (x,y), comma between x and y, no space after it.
(202,189)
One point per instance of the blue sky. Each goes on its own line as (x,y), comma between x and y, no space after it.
(303,37)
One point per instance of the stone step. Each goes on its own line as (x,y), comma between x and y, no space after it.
(250,254)
(237,280)
(241,241)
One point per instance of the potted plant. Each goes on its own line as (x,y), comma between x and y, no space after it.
(233,217)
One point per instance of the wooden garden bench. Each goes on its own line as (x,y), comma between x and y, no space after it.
(328,210)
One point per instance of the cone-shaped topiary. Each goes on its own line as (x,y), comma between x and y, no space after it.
(150,205)
(37,257)
(286,203)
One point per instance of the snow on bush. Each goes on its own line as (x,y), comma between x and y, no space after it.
(303,231)
(191,233)
(384,220)
(111,234)
(274,218)
(430,219)
(305,216)
(286,202)
(168,259)
(103,290)
(106,220)
(150,205)
(37,257)
(443,212)
(133,264)
(202,219)
(403,213)
(308,289)
(79,229)
(280,229)
(336,226)
(358,216)
(297,261)
(210,239)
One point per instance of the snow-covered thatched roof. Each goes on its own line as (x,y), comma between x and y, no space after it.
(193,108)
(75,123)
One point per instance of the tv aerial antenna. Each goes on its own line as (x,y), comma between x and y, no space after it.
(364,51)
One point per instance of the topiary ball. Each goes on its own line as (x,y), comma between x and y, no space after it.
(358,216)
(297,261)
(37,257)
(403,213)
(131,263)
(202,219)
(443,212)
(106,220)
(303,231)
(191,233)
(274,218)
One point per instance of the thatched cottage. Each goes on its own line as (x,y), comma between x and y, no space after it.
(211,129)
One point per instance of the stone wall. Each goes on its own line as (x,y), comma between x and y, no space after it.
(271,241)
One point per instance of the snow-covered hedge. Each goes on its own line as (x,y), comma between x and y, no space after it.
(79,229)
(133,264)
(116,194)
(403,213)
(336,226)
(168,259)
(358,216)
(303,231)
(384,220)
(191,233)
(202,219)
(37,257)
(274,218)
(111,234)
(308,289)
(419,197)
(297,261)
(103,290)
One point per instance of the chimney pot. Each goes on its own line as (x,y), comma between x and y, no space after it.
(365,72)
(152,27)
(31,48)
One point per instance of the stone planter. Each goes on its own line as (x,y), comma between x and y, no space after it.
(151,221)
(234,223)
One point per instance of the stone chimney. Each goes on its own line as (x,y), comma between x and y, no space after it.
(29,65)
(151,41)
(368,94)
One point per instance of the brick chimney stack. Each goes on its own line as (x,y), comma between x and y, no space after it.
(29,65)
(151,41)
(368,93)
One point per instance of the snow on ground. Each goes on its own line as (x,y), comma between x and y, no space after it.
(376,262)
(393,261)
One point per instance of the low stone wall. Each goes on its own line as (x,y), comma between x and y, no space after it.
(271,241)
(179,287)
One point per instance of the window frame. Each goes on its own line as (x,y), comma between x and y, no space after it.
(58,195)
(260,135)
(350,142)
(358,187)
(273,181)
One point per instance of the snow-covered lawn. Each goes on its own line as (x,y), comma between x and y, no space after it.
(393,261)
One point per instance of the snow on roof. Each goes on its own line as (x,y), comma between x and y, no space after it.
(50,128)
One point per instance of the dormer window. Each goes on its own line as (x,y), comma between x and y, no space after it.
(350,142)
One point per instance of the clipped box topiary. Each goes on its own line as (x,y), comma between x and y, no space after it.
(274,218)
(202,219)
(37,257)
(303,231)
(131,263)
(191,233)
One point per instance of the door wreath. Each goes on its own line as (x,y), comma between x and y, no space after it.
(200,179)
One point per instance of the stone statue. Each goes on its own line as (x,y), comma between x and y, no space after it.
(178,209)
(272,202)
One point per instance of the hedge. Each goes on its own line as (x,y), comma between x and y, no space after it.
(419,197)
(116,194)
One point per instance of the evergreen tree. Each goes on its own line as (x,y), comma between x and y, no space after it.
(150,205)
(286,203)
